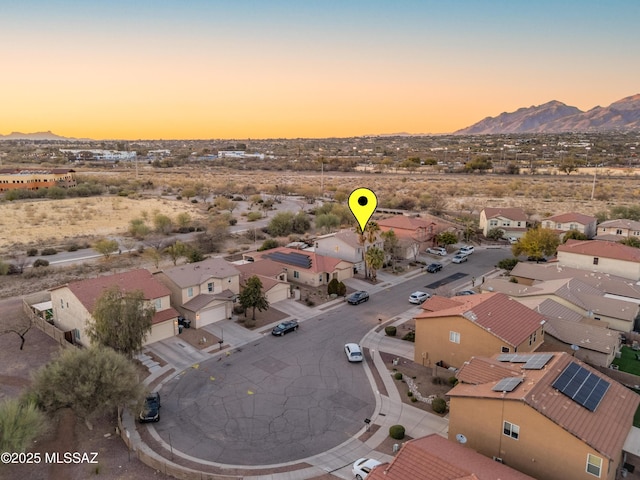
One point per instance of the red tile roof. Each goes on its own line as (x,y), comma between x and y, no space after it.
(437,303)
(601,248)
(512,213)
(604,429)
(436,458)
(498,314)
(572,217)
(319,263)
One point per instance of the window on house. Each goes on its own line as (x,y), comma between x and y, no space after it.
(493,223)
(506,223)
(573,226)
(505,349)
(511,430)
(296,274)
(519,224)
(190,292)
(61,303)
(158,304)
(594,465)
(454,337)
(76,334)
(595,260)
(210,286)
(619,231)
(558,225)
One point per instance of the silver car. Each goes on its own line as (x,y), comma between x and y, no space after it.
(353,351)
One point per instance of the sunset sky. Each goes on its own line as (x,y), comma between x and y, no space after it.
(200,69)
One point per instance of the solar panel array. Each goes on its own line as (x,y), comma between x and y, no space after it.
(582,386)
(532,361)
(296,259)
(507,384)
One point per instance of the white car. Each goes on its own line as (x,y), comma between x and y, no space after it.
(418,297)
(363,466)
(513,240)
(459,258)
(353,351)
(437,251)
(466,250)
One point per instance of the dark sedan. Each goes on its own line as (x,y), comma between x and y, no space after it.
(285,327)
(358,297)
(434,267)
(151,410)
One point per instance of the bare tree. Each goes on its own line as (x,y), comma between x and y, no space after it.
(19,324)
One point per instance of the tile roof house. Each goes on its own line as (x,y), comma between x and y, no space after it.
(565,222)
(585,299)
(547,415)
(618,229)
(305,267)
(74,302)
(512,221)
(436,458)
(274,279)
(601,256)
(345,245)
(481,324)
(204,291)
(414,233)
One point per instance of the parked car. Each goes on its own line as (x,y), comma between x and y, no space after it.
(363,466)
(184,322)
(512,240)
(465,292)
(459,258)
(434,267)
(437,251)
(285,327)
(466,250)
(533,258)
(418,297)
(151,409)
(358,297)
(353,351)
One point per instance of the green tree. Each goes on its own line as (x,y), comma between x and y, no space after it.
(268,244)
(106,247)
(300,223)
(176,250)
(495,233)
(252,297)
(91,381)
(281,224)
(327,222)
(374,259)
(183,221)
(162,223)
(138,228)
(447,238)
(573,234)
(21,421)
(366,238)
(537,242)
(121,320)
(391,245)
(631,242)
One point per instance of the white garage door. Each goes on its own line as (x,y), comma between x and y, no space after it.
(211,315)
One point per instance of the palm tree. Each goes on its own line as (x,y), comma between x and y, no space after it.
(374,258)
(366,238)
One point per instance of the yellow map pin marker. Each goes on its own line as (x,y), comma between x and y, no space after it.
(362,203)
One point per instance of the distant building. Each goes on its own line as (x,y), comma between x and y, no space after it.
(239,154)
(24,179)
(97,154)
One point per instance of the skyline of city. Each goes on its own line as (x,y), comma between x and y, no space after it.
(122,70)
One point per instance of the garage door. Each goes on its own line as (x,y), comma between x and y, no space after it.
(211,315)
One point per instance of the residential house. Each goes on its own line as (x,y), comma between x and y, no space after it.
(618,229)
(272,276)
(566,222)
(586,300)
(74,302)
(547,415)
(204,291)
(414,233)
(345,245)
(435,458)
(473,325)
(511,220)
(601,256)
(565,330)
(304,267)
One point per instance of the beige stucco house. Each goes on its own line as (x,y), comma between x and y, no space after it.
(74,302)
(204,291)
(511,220)
(565,222)
(601,256)
(618,229)
(272,276)
(345,245)
(414,233)
(449,332)
(549,416)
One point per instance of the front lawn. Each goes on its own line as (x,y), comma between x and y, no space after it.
(628,362)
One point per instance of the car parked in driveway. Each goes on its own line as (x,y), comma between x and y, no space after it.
(284,328)
(459,258)
(358,297)
(434,267)
(466,250)
(363,466)
(418,297)
(151,410)
(437,251)
(353,351)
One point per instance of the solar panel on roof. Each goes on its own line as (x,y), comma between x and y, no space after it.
(507,384)
(514,357)
(295,259)
(582,386)
(537,361)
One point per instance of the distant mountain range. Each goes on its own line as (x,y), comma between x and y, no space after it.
(556,117)
(35,136)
